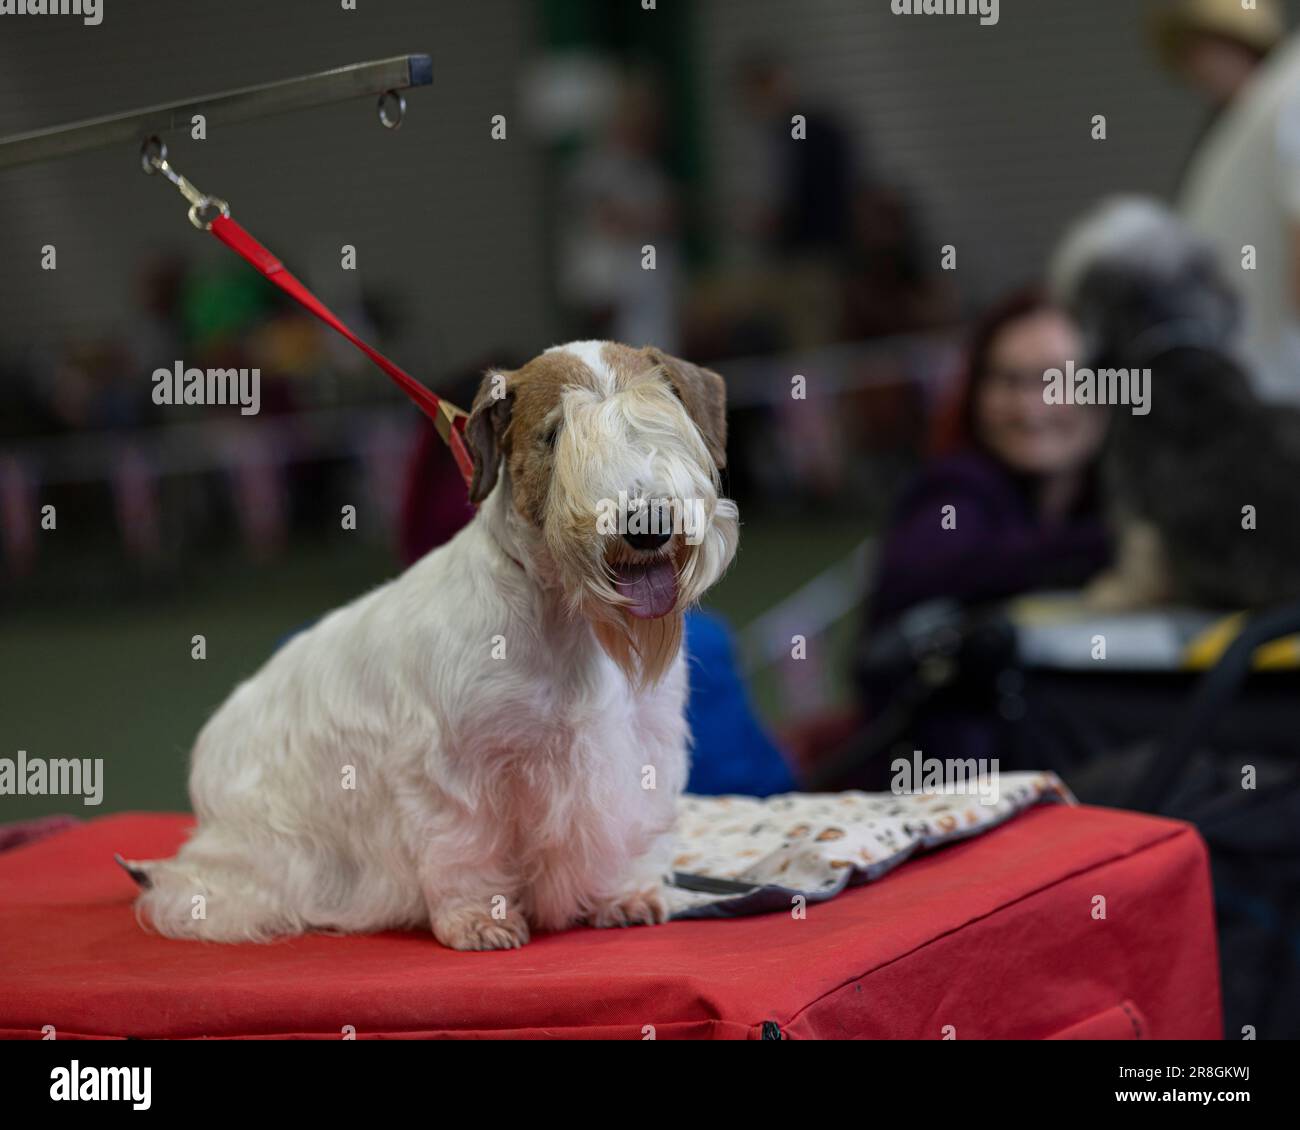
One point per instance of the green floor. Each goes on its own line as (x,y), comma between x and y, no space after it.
(115,680)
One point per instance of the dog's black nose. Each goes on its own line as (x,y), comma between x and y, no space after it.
(646,541)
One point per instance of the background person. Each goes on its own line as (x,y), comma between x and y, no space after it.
(1020,476)
(1241,188)
(1019,473)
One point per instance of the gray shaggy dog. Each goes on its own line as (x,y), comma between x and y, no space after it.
(1148,294)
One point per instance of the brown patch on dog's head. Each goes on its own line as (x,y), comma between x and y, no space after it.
(704,394)
(514,418)
(515,413)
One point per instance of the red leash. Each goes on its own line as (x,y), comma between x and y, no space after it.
(447,418)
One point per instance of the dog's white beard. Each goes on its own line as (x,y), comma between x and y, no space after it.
(595,462)
(643,649)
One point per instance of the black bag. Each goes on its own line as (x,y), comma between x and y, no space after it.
(1170,743)
(1198,773)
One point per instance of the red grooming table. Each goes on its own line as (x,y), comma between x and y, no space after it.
(995,937)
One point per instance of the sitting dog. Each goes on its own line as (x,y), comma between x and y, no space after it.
(495,741)
(1202,489)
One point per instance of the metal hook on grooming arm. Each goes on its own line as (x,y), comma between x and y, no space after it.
(203,208)
(392,108)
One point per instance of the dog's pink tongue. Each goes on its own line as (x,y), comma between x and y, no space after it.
(652,588)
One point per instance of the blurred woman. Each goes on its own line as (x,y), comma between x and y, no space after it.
(1011,504)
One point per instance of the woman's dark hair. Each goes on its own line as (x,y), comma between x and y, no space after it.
(954,427)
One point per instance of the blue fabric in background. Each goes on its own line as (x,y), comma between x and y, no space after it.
(732,754)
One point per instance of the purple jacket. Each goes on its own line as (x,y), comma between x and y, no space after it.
(998,548)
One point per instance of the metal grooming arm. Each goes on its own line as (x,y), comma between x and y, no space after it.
(385,78)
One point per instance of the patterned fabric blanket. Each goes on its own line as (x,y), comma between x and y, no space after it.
(742,855)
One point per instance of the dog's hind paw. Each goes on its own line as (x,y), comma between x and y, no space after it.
(646,907)
(471,927)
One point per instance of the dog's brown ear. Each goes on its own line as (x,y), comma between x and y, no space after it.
(488,419)
(704,393)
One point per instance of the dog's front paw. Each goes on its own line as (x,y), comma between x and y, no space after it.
(645,907)
(472,927)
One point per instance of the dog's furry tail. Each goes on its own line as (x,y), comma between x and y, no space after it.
(138,869)
(206,900)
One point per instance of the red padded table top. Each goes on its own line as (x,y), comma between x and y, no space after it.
(995,937)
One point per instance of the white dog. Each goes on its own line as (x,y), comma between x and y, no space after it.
(495,740)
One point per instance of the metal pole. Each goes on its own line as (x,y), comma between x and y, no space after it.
(382,77)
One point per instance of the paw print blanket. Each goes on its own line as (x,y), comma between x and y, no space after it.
(741,855)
